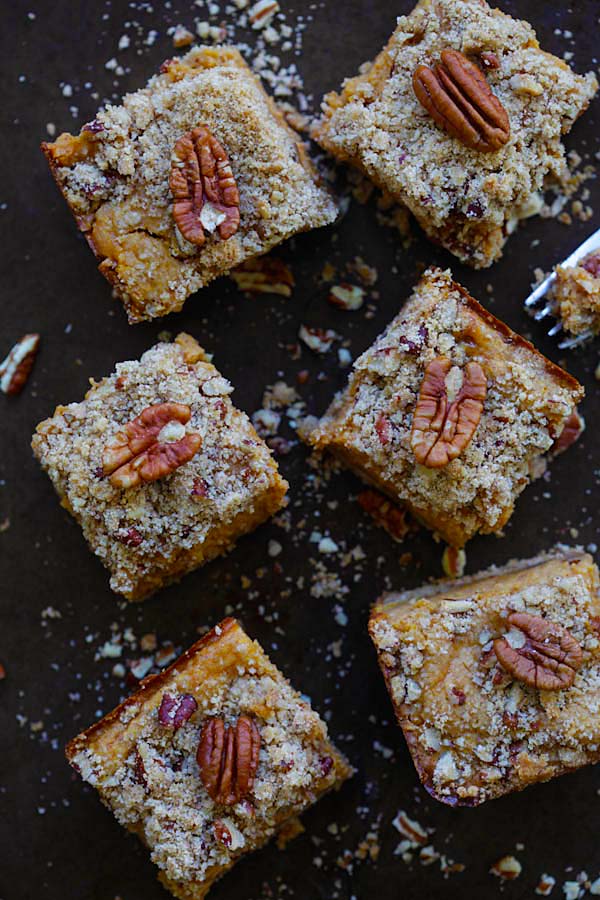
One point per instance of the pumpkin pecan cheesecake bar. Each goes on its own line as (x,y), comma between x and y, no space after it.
(188,178)
(460,119)
(210,759)
(450,413)
(161,471)
(495,679)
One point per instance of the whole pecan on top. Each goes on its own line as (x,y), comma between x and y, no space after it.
(443,425)
(204,190)
(457,95)
(151,446)
(228,758)
(548,656)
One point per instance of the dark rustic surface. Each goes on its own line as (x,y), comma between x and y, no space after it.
(56,840)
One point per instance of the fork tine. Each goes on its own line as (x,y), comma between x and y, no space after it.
(542,313)
(555,329)
(540,291)
(576,341)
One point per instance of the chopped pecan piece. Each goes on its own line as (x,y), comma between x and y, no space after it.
(346,296)
(16,368)
(174,711)
(393,519)
(262,12)
(490,60)
(548,656)
(507,868)
(448,411)
(317,339)
(228,758)
(130,537)
(204,190)
(139,769)
(591,264)
(151,446)
(574,428)
(458,97)
(454,561)
(200,488)
(264,275)
(181,37)
(383,428)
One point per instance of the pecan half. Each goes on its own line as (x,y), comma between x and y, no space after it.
(204,190)
(228,758)
(444,425)
(547,659)
(458,97)
(16,368)
(151,446)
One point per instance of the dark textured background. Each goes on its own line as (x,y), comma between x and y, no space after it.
(56,840)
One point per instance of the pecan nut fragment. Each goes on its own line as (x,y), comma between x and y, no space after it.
(264,275)
(151,446)
(228,758)
(204,190)
(458,97)
(444,425)
(547,659)
(572,431)
(16,368)
(591,264)
(394,519)
(174,711)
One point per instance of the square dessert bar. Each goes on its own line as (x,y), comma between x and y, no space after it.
(189,177)
(460,119)
(161,471)
(577,296)
(450,413)
(210,759)
(495,679)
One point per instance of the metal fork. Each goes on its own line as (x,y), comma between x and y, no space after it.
(549,309)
